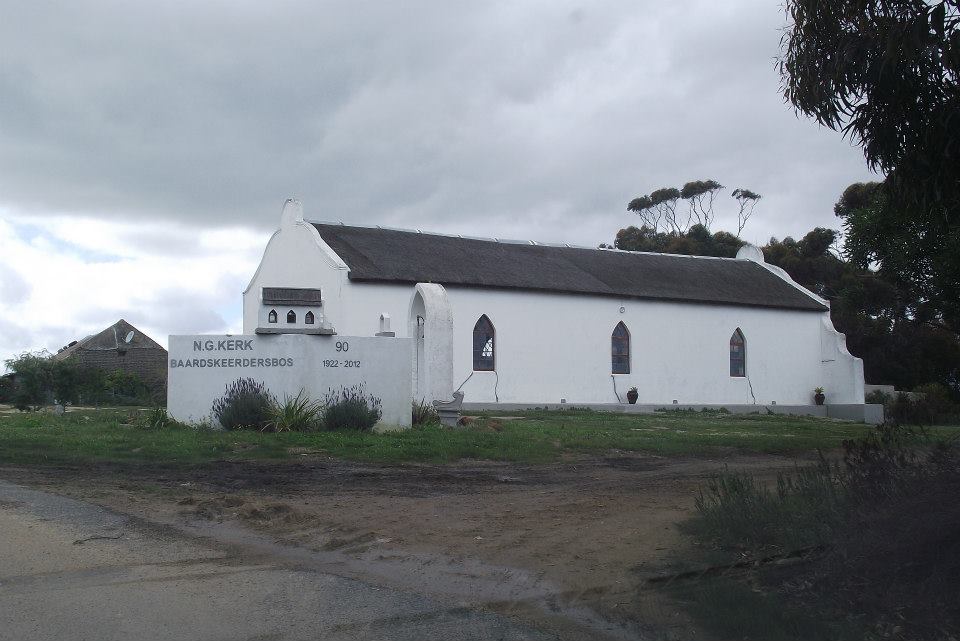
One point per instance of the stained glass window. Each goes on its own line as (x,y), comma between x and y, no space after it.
(483,345)
(738,354)
(620,350)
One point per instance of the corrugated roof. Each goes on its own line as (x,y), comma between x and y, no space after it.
(388,255)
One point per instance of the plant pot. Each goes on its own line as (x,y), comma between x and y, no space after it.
(819,398)
(632,397)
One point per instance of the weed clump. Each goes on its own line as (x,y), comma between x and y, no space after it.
(424,413)
(295,414)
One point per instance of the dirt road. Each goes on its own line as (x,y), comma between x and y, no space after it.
(564,549)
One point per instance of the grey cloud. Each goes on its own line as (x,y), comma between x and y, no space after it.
(535,120)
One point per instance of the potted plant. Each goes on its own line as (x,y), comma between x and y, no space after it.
(632,395)
(818,396)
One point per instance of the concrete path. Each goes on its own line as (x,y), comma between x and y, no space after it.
(74,571)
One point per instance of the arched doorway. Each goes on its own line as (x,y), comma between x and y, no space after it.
(430,324)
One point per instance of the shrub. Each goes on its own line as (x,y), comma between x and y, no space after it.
(246,404)
(885,522)
(295,414)
(424,413)
(350,408)
(878,397)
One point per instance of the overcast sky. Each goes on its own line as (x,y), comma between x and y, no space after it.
(146,148)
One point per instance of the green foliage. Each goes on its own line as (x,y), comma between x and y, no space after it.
(921,262)
(40,379)
(246,404)
(697,188)
(878,397)
(697,241)
(928,405)
(885,72)
(884,522)
(424,413)
(350,408)
(880,318)
(295,414)
(664,195)
(7,389)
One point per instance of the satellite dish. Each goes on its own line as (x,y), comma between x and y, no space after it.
(129,337)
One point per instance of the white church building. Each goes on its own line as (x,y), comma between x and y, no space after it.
(509,321)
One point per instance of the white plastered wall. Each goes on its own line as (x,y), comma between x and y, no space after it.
(557,346)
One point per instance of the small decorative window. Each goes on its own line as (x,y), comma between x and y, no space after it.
(620,350)
(291,316)
(272,316)
(308,318)
(483,345)
(738,354)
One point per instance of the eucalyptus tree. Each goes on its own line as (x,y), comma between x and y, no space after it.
(886,74)
(658,207)
(748,201)
(700,194)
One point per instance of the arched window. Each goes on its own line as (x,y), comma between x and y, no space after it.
(483,345)
(272,316)
(291,316)
(738,354)
(308,318)
(620,350)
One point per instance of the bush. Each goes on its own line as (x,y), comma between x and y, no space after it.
(878,397)
(928,405)
(295,414)
(885,522)
(350,408)
(424,413)
(246,405)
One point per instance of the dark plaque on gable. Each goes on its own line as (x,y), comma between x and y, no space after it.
(291,296)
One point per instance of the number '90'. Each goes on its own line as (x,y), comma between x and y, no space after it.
(343,346)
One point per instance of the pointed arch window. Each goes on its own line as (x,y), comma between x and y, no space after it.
(483,345)
(738,354)
(272,316)
(620,350)
(291,316)
(308,318)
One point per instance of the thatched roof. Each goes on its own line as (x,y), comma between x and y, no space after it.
(397,256)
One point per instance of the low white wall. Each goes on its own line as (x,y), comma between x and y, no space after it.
(200,368)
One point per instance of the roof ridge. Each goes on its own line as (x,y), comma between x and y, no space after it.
(505,241)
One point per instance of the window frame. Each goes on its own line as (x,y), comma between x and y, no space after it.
(738,359)
(485,329)
(309,318)
(272,316)
(291,317)
(623,340)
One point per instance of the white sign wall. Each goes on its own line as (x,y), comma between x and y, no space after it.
(200,367)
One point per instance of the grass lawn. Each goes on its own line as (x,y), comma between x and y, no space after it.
(541,436)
